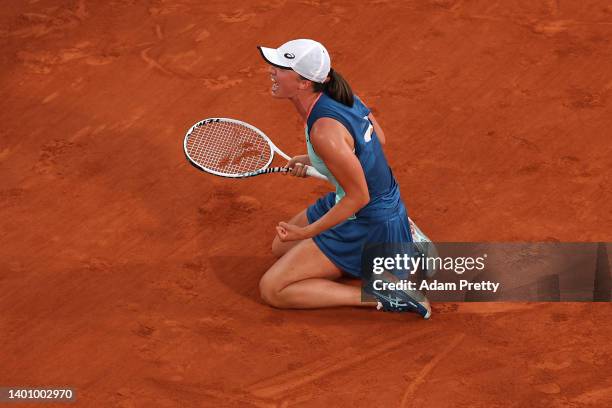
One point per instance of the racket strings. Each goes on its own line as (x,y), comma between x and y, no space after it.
(229,148)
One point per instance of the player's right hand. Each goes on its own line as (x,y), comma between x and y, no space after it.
(297,166)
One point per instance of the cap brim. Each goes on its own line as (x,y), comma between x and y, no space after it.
(270,55)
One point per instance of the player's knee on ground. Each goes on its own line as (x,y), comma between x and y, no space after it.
(270,292)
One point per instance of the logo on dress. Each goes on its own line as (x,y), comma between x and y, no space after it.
(288,55)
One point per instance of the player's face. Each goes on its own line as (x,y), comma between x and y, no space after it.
(285,82)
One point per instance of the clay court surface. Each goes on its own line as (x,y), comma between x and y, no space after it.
(131,277)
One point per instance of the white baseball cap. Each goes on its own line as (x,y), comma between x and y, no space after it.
(308,58)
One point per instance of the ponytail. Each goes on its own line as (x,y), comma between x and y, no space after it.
(336,88)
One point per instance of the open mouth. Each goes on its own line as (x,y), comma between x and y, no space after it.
(274,84)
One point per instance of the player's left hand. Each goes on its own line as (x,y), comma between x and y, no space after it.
(289,232)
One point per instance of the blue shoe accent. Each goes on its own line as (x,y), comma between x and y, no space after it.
(399,300)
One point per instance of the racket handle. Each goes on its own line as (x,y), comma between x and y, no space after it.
(312,172)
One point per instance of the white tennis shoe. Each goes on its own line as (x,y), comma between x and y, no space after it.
(424,246)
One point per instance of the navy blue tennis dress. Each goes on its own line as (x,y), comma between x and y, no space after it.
(384,219)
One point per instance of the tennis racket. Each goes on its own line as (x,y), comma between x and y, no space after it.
(232,148)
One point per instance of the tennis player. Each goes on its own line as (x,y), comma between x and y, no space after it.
(344,142)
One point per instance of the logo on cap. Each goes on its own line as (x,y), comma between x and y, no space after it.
(289,55)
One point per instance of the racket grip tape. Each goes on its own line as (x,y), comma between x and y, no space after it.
(312,172)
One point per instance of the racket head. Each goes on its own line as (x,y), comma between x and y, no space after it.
(228,148)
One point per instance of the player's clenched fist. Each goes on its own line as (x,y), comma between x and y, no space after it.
(297,165)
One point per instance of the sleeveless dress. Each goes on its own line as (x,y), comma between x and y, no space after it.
(384,219)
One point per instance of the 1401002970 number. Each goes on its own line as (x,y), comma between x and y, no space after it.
(8,394)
